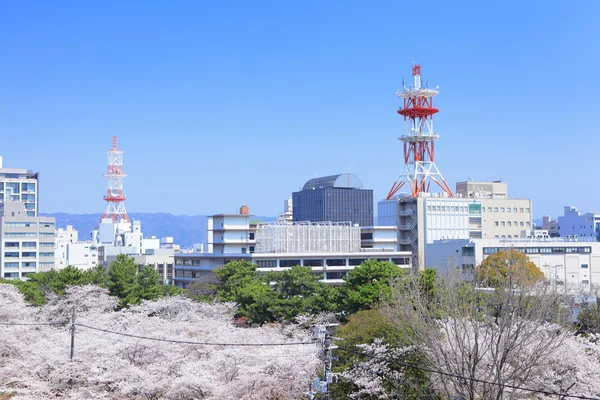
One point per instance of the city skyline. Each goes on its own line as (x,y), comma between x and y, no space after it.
(216,106)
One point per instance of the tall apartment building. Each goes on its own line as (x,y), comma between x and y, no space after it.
(17,184)
(335,198)
(27,241)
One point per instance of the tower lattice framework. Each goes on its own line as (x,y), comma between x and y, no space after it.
(418,140)
(114,197)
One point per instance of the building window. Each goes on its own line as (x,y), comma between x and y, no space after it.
(29,244)
(527,223)
(585,281)
(527,210)
(502,209)
(496,223)
(509,223)
(515,209)
(336,262)
(520,209)
(584,265)
(313,263)
(243,250)
(11,244)
(508,209)
(521,223)
(503,223)
(489,209)
(495,209)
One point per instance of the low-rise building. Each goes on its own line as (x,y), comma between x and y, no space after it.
(575,224)
(573,263)
(330,249)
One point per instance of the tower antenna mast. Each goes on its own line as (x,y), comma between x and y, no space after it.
(418,140)
(114,197)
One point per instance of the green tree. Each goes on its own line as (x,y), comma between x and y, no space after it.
(367,285)
(122,279)
(234,276)
(299,291)
(147,285)
(507,267)
(98,276)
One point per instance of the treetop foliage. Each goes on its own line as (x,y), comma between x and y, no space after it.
(507,267)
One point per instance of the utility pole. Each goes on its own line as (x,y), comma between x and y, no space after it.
(72,335)
(323,336)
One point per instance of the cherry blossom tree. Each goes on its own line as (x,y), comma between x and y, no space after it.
(483,343)
(34,360)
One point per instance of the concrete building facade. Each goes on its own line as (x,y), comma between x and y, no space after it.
(573,263)
(478,210)
(27,242)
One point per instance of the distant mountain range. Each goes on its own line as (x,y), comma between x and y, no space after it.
(186,230)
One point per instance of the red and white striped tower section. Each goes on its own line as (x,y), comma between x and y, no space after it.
(418,140)
(114,197)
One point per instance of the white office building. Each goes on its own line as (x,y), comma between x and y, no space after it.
(573,263)
(477,210)
(69,251)
(27,241)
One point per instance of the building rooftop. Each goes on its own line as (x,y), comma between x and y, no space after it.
(346,180)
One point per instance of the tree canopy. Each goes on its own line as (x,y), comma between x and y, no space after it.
(122,279)
(512,267)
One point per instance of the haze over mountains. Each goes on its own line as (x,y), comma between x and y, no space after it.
(186,229)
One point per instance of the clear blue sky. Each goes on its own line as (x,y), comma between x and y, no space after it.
(222,103)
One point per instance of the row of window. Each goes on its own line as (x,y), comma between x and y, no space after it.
(27,264)
(9,224)
(506,209)
(510,223)
(15,254)
(539,250)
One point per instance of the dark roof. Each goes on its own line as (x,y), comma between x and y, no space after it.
(346,180)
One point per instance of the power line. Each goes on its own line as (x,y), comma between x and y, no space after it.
(32,324)
(504,385)
(195,343)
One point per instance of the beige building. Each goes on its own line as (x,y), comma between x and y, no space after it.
(477,210)
(502,217)
(27,244)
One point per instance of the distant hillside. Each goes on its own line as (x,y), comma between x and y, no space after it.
(186,230)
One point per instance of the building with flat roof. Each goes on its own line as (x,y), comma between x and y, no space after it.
(335,198)
(572,263)
(477,210)
(18,184)
(27,243)
(330,249)
(575,224)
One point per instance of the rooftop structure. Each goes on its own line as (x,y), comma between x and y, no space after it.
(307,237)
(418,140)
(114,197)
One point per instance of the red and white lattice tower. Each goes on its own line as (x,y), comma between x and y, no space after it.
(418,139)
(114,197)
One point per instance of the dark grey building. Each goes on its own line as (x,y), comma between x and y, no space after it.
(335,198)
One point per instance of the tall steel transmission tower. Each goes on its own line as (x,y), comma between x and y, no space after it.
(114,197)
(419,150)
